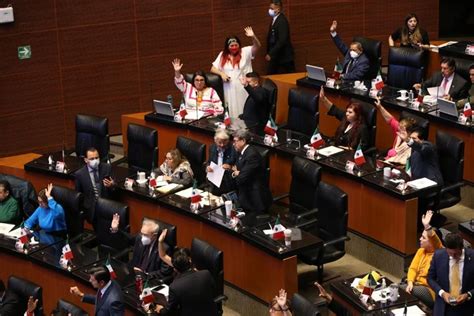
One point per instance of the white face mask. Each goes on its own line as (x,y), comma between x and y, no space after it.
(93,163)
(146,240)
(271,13)
(353,54)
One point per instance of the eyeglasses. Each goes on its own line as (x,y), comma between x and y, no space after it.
(199,80)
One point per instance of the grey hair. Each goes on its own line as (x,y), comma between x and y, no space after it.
(243,134)
(154,224)
(221,134)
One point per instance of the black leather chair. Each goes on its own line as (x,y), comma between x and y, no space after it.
(64,307)
(142,151)
(24,289)
(195,152)
(214,81)
(373,51)
(370,118)
(303,111)
(272,89)
(265,153)
(207,257)
(421,122)
(24,192)
(451,162)
(406,67)
(301,306)
(71,202)
(104,211)
(92,131)
(332,219)
(462,67)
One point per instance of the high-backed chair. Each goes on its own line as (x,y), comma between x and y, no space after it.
(301,306)
(71,202)
(142,153)
(24,192)
(451,162)
(373,51)
(195,152)
(370,118)
(272,89)
(64,307)
(303,111)
(332,219)
(423,123)
(214,81)
(462,67)
(24,289)
(104,211)
(207,257)
(265,153)
(92,131)
(405,67)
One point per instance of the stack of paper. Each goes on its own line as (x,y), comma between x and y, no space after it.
(187,193)
(421,183)
(330,150)
(169,187)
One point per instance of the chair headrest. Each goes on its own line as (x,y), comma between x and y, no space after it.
(142,135)
(406,56)
(306,171)
(92,124)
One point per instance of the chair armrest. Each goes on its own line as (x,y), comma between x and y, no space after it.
(452,187)
(307,223)
(121,254)
(336,241)
(320,302)
(307,213)
(280,197)
(220,299)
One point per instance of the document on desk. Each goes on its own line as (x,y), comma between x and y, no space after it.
(435,91)
(330,150)
(421,183)
(215,177)
(187,193)
(169,187)
(194,115)
(411,310)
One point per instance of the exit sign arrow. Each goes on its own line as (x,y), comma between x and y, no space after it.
(24,52)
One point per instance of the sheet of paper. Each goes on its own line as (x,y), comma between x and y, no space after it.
(411,310)
(215,177)
(5,228)
(194,115)
(421,183)
(330,150)
(169,187)
(187,193)
(435,91)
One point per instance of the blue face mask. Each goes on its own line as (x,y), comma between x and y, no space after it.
(353,54)
(271,13)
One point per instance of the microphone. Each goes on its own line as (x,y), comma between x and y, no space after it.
(169,99)
(197,110)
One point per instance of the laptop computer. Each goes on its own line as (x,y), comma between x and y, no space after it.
(447,107)
(163,108)
(316,73)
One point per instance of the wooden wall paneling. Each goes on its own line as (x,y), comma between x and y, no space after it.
(159,8)
(30,16)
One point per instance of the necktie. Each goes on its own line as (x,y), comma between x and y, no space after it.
(349,66)
(99,295)
(445,85)
(454,281)
(95,183)
(220,157)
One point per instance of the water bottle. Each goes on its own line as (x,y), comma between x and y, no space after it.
(410,96)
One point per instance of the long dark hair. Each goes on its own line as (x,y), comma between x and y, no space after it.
(356,125)
(226,53)
(415,35)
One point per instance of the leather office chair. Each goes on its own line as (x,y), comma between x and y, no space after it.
(424,124)
(142,151)
(265,153)
(64,307)
(71,202)
(92,131)
(332,219)
(370,118)
(104,211)
(462,68)
(272,90)
(303,111)
(24,289)
(195,152)
(301,306)
(406,67)
(207,257)
(24,192)
(214,81)
(451,162)
(373,51)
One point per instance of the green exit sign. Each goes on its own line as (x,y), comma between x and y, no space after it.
(24,52)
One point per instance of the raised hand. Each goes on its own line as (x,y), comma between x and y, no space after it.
(333,26)
(249,31)
(163,235)
(48,190)
(426,218)
(243,81)
(31,306)
(322,292)
(177,65)
(281,299)
(378,104)
(115,222)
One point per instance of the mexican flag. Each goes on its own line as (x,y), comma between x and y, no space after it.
(408,167)
(337,70)
(182,111)
(467,111)
(195,197)
(271,128)
(316,140)
(67,252)
(379,81)
(227,120)
(113,275)
(278,229)
(147,295)
(359,158)
(24,239)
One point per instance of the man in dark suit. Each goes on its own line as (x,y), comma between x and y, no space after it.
(249,175)
(355,65)
(222,153)
(451,276)
(280,55)
(109,300)
(9,302)
(257,106)
(94,180)
(192,292)
(450,84)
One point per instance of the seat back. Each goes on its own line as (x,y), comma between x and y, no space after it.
(215,82)
(373,51)
(462,67)
(272,89)
(195,153)
(142,151)
(370,118)
(406,66)
(104,211)
(305,177)
(303,111)
(71,202)
(207,257)
(301,306)
(24,192)
(332,213)
(65,308)
(451,157)
(92,131)
(421,122)
(265,154)
(24,289)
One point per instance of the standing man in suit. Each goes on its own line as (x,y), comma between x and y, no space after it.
(451,276)
(9,302)
(451,85)
(356,64)
(249,175)
(257,106)
(223,154)
(280,55)
(108,301)
(94,180)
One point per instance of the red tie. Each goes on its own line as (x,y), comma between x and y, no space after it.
(445,85)
(99,295)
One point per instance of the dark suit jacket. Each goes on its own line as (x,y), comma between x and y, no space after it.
(438,278)
(154,265)
(278,41)
(230,157)
(254,194)
(192,294)
(459,87)
(84,185)
(353,137)
(111,303)
(256,108)
(359,67)
(424,162)
(10,305)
